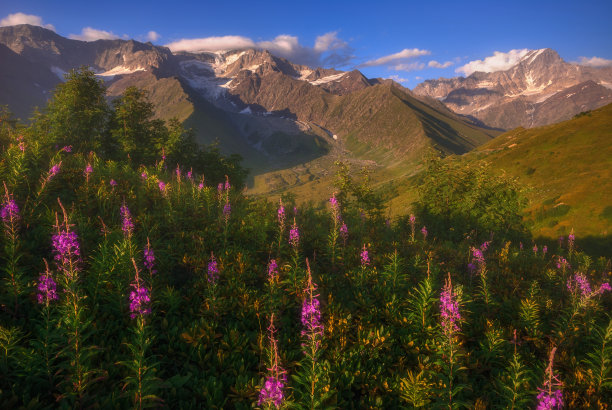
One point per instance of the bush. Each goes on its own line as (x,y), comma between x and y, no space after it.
(458,198)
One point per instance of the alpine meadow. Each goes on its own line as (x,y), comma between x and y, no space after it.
(229,223)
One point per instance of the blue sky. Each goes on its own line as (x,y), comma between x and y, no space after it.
(405,40)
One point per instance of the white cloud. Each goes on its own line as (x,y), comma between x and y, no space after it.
(211,44)
(595,62)
(21,18)
(497,62)
(152,36)
(328,48)
(398,79)
(393,58)
(435,64)
(92,34)
(329,41)
(409,66)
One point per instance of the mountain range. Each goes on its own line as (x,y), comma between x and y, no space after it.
(271,111)
(539,89)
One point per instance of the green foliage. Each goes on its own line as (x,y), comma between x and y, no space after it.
(599,362)
(359,192)
(133,128)
(515,389)
(77,114)
(204,344)
(458,199)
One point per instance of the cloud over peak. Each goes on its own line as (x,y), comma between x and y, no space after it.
(396,58)
(92,34)
(435,64)
(220,43)
(595,62)
(152,36)
(499,61)
(327,50)
(22,18)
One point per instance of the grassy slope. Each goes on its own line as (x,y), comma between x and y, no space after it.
(569,169)
(385,129)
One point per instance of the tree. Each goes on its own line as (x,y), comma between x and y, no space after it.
(77,114)
(457,198)
(139,135)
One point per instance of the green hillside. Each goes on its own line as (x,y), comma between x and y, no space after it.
(568,167)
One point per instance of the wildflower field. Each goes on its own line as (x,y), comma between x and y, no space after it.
(160,285)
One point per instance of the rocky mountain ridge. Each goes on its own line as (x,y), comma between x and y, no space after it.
(540,89)
(254,103)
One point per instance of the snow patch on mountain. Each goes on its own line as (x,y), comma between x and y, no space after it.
(201,76)
(120,70)
(304,73)
(329,78)
(532,55)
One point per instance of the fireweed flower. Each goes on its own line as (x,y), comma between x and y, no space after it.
(162,186)
(271,392)
(272,271)
(9,211)
(178,172)
(478,263)
(149,258)
(335,206)
(333,201)
(344,232)
(365,258)
(294,235)
(550,397)
(227,185)
(220,188)
(163,156)
(67,148)
(412,220)
(139,297)
(544,250)
(87,172)
(200,186)
(213,270)
(562,263)
(578,284)
(66,250)
(47,288)
(190,174)
(53,171)
(22,146)
(535,249)
(449,309)
(281,214)
(143,175)
(227,210)
(113,183)
(570,240)
(311,312)
(424,232)
(126,225)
